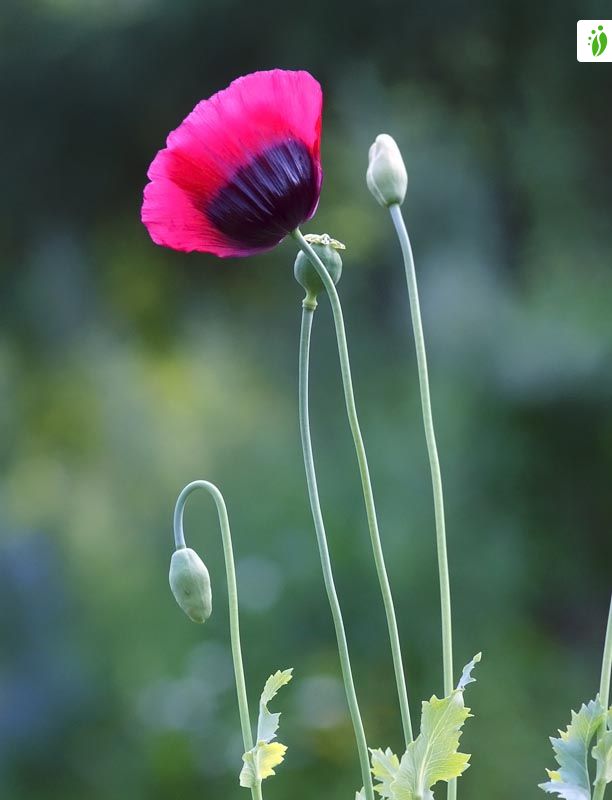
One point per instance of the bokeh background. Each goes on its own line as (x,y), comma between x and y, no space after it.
(127,370)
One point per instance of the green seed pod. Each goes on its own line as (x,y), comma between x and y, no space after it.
(386,177)
(190,584)
(327,250)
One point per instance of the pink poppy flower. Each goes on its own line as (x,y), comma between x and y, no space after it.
(242,170)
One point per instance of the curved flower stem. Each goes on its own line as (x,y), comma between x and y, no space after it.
(434,462)
(232,591)
(315,505)
(604,693)
(366,484)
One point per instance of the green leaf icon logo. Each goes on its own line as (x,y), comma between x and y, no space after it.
(603,42)
(598,41)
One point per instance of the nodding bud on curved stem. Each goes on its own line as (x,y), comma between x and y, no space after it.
(386,177)
(190,584)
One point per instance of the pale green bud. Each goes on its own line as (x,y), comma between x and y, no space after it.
(306,273)
(386,177)
(190,584)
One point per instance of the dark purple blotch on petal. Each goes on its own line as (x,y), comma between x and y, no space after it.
(267,198)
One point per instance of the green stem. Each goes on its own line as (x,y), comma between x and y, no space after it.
(604,693)
(434,462)
(315,505)
(366,484)
(232,591)
(606,665)
(432,448)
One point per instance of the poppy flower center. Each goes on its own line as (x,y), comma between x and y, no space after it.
(268,197)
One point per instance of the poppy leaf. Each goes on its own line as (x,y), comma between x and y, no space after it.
(602,753)
(433,756)
(268,722)
(385,766)
(571,780)
(261,761)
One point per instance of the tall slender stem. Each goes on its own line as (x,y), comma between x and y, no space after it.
(606,664)
(366,484)
(232,592)
(604,693)
(315,505)
(434,461)
(432,449)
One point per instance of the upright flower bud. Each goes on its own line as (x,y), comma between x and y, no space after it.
(386,177)
(306,273)
(190,584)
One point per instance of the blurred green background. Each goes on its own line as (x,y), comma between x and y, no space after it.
(127,370)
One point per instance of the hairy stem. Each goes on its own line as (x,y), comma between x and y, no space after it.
(366,484)
(315,505)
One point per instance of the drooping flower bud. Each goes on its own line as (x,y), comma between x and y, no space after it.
(386,177)
(190,584)
(304,270)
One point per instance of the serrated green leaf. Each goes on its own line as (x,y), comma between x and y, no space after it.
(466,675)
(602,753)
(267,724)
(259,763)
(571,781)
(360,795)
(433,755)
(384,769)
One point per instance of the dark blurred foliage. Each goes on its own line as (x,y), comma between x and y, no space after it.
(126,371)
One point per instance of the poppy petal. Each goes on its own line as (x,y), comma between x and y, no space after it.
(174,220)
(242,170)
